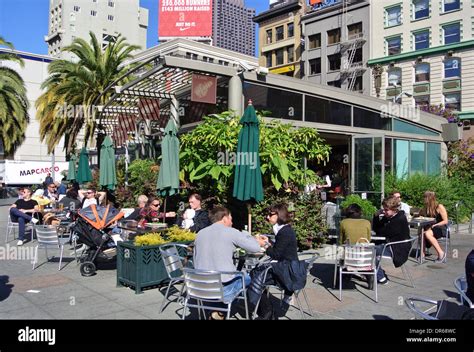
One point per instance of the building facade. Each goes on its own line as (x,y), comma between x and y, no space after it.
(336,42)
(280,38)
(232,26)
(422,53)
(70,19)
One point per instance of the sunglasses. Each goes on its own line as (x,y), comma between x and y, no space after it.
(271,214)
(155,204)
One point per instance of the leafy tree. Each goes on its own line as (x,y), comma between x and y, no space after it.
(13,102)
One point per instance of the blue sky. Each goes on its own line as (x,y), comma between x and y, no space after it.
(25,22)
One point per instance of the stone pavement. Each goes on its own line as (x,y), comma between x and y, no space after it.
(47,293)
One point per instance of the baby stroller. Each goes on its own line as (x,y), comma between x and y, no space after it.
(92,230)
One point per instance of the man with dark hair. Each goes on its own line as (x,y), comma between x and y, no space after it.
(470,275)
(403,206)
(195,218)
(71,200)
(19,212)
(90,196)
(215,246)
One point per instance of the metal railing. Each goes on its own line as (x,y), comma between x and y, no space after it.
(458,204)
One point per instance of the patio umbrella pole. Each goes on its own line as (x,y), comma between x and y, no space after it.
(249,209)
(164,211)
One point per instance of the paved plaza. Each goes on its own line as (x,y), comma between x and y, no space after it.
(47,293)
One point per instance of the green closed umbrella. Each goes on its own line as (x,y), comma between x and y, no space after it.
(107,176)
(71,171)
(83,170)
(248,176)
(168,178)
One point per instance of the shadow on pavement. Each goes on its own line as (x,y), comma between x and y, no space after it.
(5,287)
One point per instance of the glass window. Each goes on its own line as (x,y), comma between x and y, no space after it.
(269,36)
(336,83)
(395,77)
(358,84)
(422,101)
(453,101)
(452,68)
(315,66)
(401,158)
(417,157)
(421,9)
(291,53)
(422,72)
(334,62)
(334,36)
(394,45)
(452,33)
(315,41)
(279,33)
(405,127)
(393,16)
(282,103)
(327,111)
(371,119)
(279,56)
(291,30)
(357,56)
(451,5)
(268,57)
(354,30)
(422,39)
(434,158)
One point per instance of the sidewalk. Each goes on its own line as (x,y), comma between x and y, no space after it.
(47,293)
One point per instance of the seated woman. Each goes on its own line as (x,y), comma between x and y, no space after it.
(151,213)
(439,229)
(39,197)
(470,275)
(353,228)
(392,224)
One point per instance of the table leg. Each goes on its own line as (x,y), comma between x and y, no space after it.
(422,251)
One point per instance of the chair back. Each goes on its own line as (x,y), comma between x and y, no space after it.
(172,260)
(203,284)
(411,303)
(359,257)
(310,262)
(47,234)
(460,284)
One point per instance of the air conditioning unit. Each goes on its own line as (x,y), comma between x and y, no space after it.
(451,132)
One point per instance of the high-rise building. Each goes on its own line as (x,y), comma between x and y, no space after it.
(70,19)
(232,26)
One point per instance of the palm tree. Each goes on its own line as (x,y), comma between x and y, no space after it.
(13,102)
(72,87)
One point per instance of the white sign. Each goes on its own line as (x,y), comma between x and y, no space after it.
(32,172)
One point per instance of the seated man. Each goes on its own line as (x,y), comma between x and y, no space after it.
(403,206)
(470,275)
(71,200)
(200,217)
(19,213)
(91,196)
(215,246)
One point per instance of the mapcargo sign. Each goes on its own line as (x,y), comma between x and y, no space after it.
(185,18)
(32,172)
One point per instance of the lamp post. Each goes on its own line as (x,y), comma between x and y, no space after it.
(395,99)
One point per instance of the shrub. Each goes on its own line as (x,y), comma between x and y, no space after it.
(149,239)
(177,234)
(368,209)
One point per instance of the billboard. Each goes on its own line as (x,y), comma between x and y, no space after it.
(185,18)
(32,172)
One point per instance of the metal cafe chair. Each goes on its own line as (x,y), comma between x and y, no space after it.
(206,286)
(460,284)
(48,237)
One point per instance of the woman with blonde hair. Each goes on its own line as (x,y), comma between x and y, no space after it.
(437,230)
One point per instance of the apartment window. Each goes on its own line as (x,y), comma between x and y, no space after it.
(395,77)
(315,41)
(421,9)
(357,55)
(422,39)
(334,36)
(279,33)
(452,68)
(354,30)
(269,36)
(393,16)
(453,101)
(422,72)
(93,13)
(207,59)
(77,8)
(110,17)
(268,57)
(451,5)
(334,62)
(358,84)
(111,4)
(394,45)
(336,83)
(422,101)
(452,33)
(315,66)
(279,56)
(291,53)
(291,30)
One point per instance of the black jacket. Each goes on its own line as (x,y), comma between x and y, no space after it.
(285,246)
(395,229)
(201,220)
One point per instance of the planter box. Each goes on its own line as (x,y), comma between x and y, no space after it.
(140,267)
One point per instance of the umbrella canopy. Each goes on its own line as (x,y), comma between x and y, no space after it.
(248,176)
(71,171)
(83,171)
(168,178)
(107,177)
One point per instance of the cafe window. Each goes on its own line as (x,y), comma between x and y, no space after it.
(279,33)
(279,56)
(393,16)
(334,62)
(315,41)
(421,39)
(327,111)
(452,68)
(315,66)
(395,77)
(394,45)
(371,119)
(422,72)
(354,30)
(452,33)
(269,36)
(453,101)
(421,9)
(291,30)
(334,36)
